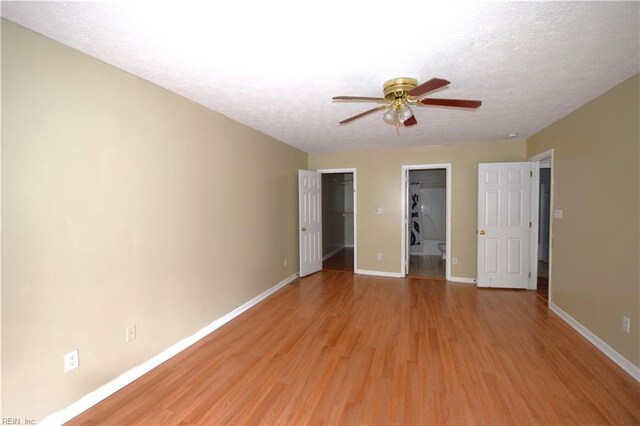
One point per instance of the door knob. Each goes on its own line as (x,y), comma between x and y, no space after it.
(481,232)
(302,229)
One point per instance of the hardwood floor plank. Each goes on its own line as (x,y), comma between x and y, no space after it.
(341,261)
(338,348)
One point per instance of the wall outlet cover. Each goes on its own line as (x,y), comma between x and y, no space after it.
(71,360)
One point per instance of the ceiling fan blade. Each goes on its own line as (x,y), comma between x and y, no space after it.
(358,99)
(460,103)
(362,114)
(429,86)
(411,121)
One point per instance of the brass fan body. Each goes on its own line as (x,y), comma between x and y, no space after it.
(399,88)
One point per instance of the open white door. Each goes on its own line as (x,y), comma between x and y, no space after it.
(504,197)
(310,221)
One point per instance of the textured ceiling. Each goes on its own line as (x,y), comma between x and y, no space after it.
(275,66)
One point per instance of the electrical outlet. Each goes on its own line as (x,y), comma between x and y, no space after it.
(379,210)
(131,333)
(285,263)
(454,260)
(626,324)
(71,360)
(379,256)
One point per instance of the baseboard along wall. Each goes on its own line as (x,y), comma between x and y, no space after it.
(331,253)
(128,377)
(625,364)
(463,280)
(378,273)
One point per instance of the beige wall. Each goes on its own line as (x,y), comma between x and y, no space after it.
(596,182)
(379,175)
(123,204)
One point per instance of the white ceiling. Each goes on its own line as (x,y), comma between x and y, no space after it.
(275,65)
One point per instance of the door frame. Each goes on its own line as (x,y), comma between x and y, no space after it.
(404,218)
(538,158)
(355,208)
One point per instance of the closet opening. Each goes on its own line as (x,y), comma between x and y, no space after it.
(338,221)
(427,221)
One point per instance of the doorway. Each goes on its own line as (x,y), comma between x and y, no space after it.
(338,220)
(427,213)
(544,225)
(544,234)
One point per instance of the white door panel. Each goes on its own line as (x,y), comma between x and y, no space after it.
(503,224)
(310,221)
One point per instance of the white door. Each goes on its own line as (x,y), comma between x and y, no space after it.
(504,224)
(310,221)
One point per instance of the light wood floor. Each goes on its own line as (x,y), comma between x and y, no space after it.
(341,261)
(339,348)
(426,266)
(543,280)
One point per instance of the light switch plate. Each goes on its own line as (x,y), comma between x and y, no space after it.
(557,214)
(130,333)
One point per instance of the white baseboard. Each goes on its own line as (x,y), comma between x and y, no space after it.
(331,253)
(463,280)
(126,378)
(624,363)
(379,273)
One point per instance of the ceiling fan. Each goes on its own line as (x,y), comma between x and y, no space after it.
(399,95)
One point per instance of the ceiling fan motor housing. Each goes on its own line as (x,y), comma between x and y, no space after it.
(398,88)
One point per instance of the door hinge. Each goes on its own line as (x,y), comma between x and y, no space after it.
(529,224)
(529,274)
(530,173)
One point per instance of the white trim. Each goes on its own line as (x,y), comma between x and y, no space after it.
(543,156)
(624,363)
(549,154)
(127,377)
(379,273)
(403,219)
(331,253)
(463,280)
(355,208)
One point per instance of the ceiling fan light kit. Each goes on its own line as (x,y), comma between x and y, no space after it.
(399,95)
(390,116)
